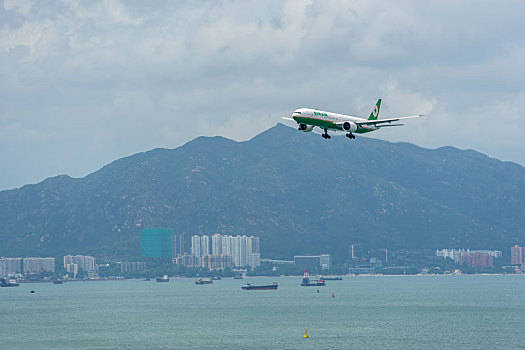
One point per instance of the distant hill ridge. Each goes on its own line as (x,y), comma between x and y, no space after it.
(300,193)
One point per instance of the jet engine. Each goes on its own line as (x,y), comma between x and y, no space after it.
(306,128)
(349,126)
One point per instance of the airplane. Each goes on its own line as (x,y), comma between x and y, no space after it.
(308,118)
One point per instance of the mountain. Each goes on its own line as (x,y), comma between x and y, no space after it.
(300,193)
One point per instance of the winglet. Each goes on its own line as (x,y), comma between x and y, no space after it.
(375,111)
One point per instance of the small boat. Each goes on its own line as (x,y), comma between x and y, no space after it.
(216,278)
(8,283)
(237,277)
(332,278)
(249,286)
(164,278)
(204,281)
(58,282)
(147,279)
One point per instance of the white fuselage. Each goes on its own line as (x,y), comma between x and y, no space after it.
(328,120)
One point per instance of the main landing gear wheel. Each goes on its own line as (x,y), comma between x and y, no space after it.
(350,135)
(325,135)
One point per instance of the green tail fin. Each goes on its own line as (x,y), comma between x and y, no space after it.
(375,112)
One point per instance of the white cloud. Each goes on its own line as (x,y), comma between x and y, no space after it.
(106,79)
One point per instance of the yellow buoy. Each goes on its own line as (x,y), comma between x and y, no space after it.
(306,333)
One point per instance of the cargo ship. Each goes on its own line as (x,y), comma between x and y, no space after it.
(204,281)
(248,286)
(164,278)
(314,283)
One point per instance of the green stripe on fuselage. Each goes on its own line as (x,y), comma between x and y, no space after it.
(327,124)
(322,123)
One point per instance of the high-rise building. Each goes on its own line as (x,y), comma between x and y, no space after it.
(227,245)
(253,245)
(240,251)
(173,246)
(181,244)
(517,255)
(157,243)
(196,246)
(10,266)
(238,248)
(205,245)
(84,262)
(216,244)
(37,265)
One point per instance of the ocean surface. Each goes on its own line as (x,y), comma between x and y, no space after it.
(366,312)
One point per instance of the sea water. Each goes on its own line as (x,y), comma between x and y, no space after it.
(365,312)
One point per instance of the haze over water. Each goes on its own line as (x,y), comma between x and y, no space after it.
(431,312)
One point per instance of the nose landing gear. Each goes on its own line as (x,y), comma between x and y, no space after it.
(325,135)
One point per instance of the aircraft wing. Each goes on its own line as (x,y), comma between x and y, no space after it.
(287,118)
(378,122)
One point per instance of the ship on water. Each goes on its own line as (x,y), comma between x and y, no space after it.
(249,286)
(164,278)
(313,283)
(8,283)
(332,278)
(204,281)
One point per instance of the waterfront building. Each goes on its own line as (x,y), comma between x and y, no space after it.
(37,265)
(323,261)
(517,255)
(457,254)
(10,266)
(157,243)
(83,262)
(477,260)
(189,260)
(217,262)
(132,266)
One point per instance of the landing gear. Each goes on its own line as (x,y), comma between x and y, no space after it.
(350,135)
(325,135)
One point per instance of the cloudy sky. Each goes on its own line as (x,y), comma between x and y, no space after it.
(86,82)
